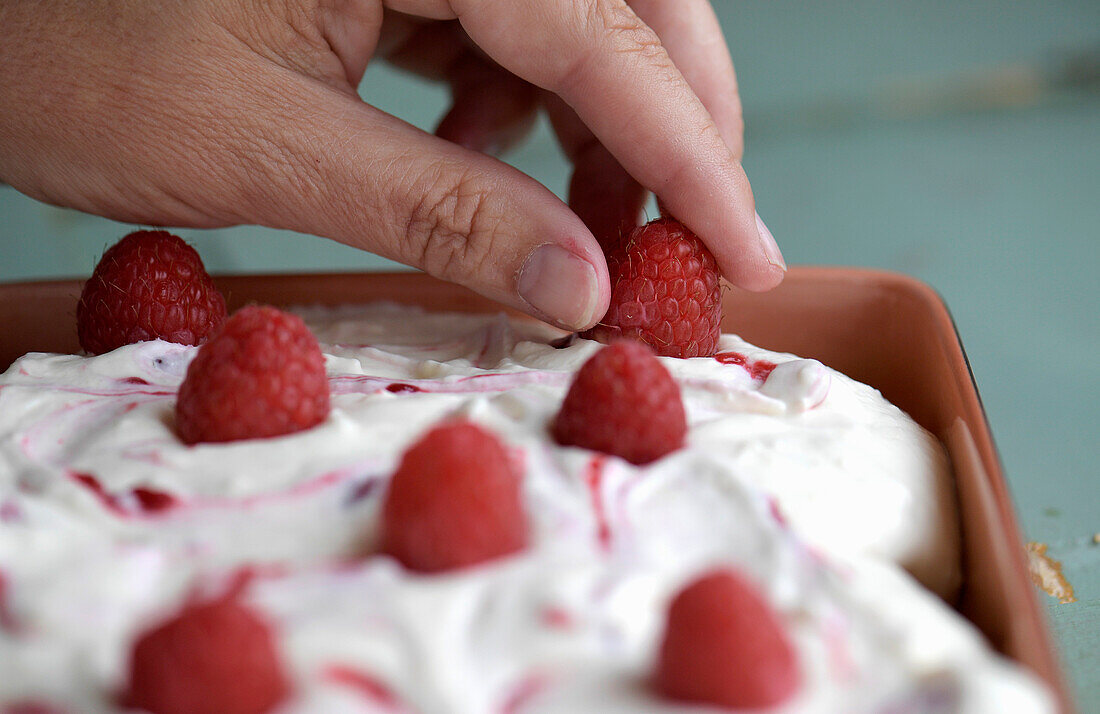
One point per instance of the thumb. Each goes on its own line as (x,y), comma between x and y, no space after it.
(252,117)
(353,173)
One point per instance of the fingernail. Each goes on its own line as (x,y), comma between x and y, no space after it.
(560,285)
(771,248)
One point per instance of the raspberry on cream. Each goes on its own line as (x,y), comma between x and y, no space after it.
(150,285)
(623,402)
(260,375)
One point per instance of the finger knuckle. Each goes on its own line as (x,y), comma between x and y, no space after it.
(625,32)
(290,34)
(453,227)
(603,14)
(614,27)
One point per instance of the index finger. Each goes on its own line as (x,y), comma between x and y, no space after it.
(693,37)
(612,69)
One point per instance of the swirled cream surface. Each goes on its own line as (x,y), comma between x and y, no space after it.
(806,481)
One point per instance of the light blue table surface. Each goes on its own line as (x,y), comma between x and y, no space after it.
(941,140)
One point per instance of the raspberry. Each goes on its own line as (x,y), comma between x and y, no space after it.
(261,375)
(623,402)
(210,658)
(150,285)
(664,292)
(724,645)
(455,500)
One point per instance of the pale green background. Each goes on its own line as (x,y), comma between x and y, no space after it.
(868,144)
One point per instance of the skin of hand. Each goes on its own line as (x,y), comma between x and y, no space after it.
(222,112)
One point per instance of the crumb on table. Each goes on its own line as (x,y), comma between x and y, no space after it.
(1047,574)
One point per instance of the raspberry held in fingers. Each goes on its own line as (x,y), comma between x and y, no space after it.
(665,292)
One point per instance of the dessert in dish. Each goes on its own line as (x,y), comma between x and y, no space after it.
(381,509)
(807,483)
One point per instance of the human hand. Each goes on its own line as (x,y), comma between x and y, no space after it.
(223,112)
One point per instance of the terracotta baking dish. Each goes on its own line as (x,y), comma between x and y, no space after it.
(887,330)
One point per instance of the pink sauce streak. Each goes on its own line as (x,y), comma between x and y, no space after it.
(557,618)
(152,500)
(836,646)
(29,441)
(306,488)
(149,500)
(758,370)
(478,383)
(528,688)
(146,452)
(364,684)
(593,478)
(314,485)
(109,500)
(122,392)
(777,512)
(9,512)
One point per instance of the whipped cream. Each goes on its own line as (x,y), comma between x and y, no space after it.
(810,483)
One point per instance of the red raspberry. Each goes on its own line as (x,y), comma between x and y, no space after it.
(623,402)
(724,645)
(150,285)
(455,500)
(664,292)
(210,658)
(261,375)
